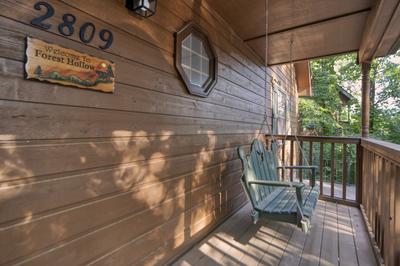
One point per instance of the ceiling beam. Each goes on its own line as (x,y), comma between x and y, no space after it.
(390,42)
(303,78)
(335,36)
(286,15)
(382,30)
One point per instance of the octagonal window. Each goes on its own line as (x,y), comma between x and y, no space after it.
(195,60)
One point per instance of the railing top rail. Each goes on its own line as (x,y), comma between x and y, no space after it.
(330,139)
(385,149)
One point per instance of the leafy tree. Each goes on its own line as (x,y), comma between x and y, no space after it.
(320,111)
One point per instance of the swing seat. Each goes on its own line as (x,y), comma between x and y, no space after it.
(292,202)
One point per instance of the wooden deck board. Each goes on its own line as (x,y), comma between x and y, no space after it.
(312,247)
(230,227)
(329,250)
(347,248)
(363,247)
(337,237)
(294,248)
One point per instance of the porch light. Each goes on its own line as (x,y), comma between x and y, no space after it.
(143,8)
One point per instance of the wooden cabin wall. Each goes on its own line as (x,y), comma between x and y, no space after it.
(132,177)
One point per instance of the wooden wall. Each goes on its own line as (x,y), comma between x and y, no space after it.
(132,177)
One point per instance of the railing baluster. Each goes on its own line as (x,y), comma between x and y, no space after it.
(283,159)
(321,168)
(332,170)
(310,157)
(345,171)
(359,170)
(301,160)
(291,159)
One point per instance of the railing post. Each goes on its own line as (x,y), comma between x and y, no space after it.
(366,88)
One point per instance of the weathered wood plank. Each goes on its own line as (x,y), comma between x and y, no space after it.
(278,244)
(129,203)
(329,245)
(118,231)
(81,154)
(294,248)
(312,248)
(17,117)
(227,228)
(347,249)
(36,200)
(259,243)
(365,254)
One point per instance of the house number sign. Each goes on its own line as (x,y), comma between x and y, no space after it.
(87,31)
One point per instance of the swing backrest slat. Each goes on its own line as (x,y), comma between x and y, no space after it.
(258,165)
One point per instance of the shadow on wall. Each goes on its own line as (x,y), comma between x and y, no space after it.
(82,183)
(85,198)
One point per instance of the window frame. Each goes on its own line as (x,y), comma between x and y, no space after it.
(194,89)
(277,116)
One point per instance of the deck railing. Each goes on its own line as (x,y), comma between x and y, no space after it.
(381,196)
(358,171)
(337,158)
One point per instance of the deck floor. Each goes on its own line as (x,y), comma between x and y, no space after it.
(337,237)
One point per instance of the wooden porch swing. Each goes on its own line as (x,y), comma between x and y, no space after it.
(271,198)
(292,202)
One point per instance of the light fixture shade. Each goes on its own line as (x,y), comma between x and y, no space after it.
(143,8)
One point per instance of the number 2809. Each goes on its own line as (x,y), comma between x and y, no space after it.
(86,32)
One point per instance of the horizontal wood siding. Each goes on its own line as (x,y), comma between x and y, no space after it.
(132,177)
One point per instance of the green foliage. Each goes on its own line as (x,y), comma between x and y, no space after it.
(319,113)
(317,118)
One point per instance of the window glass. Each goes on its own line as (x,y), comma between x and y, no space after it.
(280,111)
(195,60)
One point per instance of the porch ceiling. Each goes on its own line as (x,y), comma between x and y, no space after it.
(316,28)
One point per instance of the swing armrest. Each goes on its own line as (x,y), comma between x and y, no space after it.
(302,167)
(298,167)
(276,183)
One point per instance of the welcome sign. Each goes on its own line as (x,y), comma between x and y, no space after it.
(56,64)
